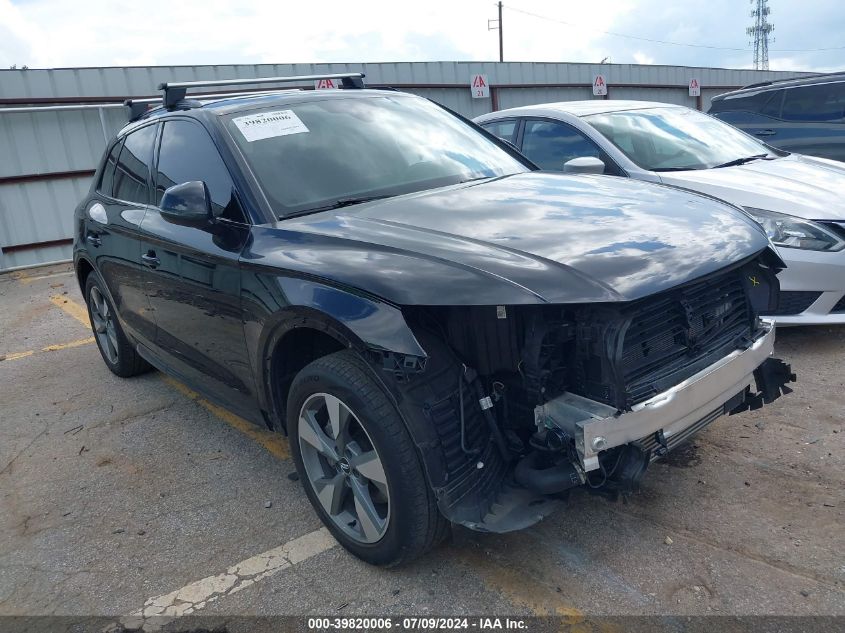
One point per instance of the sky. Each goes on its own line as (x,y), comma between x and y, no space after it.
(62,33)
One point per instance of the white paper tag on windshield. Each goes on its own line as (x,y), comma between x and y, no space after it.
(257,127)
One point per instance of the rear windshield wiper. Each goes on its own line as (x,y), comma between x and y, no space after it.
(741,161)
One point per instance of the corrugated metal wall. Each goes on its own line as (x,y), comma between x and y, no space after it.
(47,157)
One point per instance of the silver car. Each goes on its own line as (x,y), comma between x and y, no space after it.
(798,199)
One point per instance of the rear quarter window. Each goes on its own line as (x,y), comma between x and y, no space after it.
(505,130)
(107,177)
(132,172)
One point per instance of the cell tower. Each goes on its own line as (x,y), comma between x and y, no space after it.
(760,32)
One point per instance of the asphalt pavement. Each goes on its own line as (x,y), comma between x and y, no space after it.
(136,497)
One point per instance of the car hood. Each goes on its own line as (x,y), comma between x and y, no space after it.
(527,238)
(808,187)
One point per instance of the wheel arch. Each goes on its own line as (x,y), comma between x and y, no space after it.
(299,335)
(309,319)
(82,268)
(290,346)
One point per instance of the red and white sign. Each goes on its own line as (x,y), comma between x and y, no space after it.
(479,87)
(326,84)
(599,86)
(694,87)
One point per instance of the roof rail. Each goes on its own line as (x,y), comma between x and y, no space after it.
(759,84)
(175,91)
(137,107)
(772,82)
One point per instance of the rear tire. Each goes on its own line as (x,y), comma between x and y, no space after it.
(117,352)
(390,492)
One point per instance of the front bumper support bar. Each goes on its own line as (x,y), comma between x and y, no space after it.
(597,427)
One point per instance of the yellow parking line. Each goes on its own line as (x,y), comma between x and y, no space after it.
(274,443)
(16,355)
(49,348)
(71,307)
(516,590)
(77,343)
(519,588)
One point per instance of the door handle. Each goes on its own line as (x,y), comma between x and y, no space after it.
(150,259)
(93,239)
(764,133)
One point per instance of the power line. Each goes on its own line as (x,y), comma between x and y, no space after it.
(667,42)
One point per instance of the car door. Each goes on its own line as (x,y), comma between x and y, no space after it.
(757,114)
(193,277)
(551,144)
(112,232)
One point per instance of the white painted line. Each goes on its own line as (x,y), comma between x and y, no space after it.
(160,610)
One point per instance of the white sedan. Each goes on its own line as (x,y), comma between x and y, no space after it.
(798,199)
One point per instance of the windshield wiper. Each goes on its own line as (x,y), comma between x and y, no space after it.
(337,204)
(348,202)
(741,161)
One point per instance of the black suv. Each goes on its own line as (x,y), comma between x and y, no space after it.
(446,334)
(806,116)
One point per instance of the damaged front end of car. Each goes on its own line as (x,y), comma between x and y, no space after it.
(515,405)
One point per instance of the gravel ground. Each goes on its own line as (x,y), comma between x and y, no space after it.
(115,491)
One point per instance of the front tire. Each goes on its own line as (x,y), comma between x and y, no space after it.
(358,464)
(117,352)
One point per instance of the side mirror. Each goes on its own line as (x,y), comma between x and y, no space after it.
(584,165)
(188,204)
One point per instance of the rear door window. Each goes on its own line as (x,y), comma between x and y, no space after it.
(132,172)
(815,103)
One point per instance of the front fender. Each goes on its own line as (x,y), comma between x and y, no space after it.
(274,305)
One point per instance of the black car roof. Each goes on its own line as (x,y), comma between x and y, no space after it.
(777,84)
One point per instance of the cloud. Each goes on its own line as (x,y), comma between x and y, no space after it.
(44,33)
(642,58)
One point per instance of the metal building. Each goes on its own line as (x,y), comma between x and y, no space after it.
(48,155)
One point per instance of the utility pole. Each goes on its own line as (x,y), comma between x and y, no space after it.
(498,26)
(501,40)
(760,31)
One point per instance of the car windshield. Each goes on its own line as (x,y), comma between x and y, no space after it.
(675,139)
(339,151)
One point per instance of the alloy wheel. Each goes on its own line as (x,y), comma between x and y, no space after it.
(344,468)
(104,325)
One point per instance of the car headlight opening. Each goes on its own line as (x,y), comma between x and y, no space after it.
(788,231)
